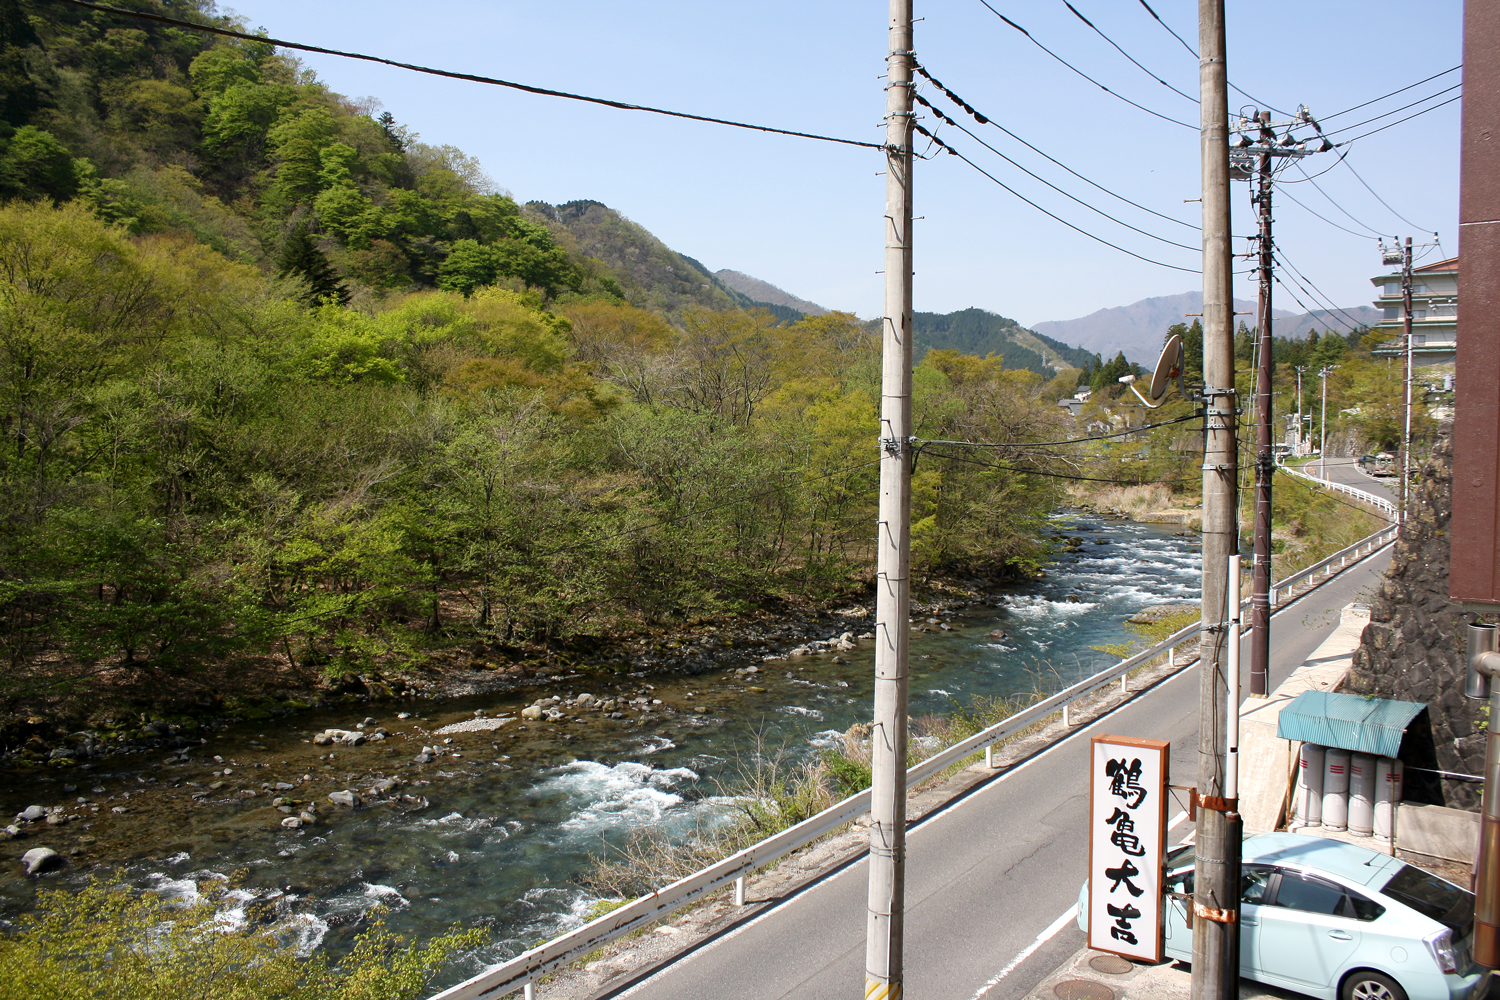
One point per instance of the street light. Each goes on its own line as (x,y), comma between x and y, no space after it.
(1323,430)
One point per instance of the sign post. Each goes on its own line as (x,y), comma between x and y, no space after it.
(1127,845)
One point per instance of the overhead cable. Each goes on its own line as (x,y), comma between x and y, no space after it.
(984,120)
(1054,444)
(1050,215)
(938,112)
(1387,114)
(469,77)
(1336,205)
(1392,93)
(1081,73)
(1310,310)
(1320,173)
(1378,198)
(1061,475)
(1296,201)
(1127,55)
(1194,52)
(1281,255)
(1398,121)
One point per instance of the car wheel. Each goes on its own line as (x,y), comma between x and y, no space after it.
(1368,985)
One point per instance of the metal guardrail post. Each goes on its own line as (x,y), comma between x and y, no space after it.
(739,891)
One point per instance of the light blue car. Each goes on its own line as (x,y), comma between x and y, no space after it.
(1336,921)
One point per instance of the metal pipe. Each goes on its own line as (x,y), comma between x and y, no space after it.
(1484,666)
(1232,669)
(739,891)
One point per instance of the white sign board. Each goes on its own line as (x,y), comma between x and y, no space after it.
(1127,845)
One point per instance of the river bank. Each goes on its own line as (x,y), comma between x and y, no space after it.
(497,827)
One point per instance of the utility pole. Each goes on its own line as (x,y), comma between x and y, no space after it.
(1323,424)
(1261,146)
(1406,431)
(887,898)
(1216,937)
(1260,593)
(1301,441)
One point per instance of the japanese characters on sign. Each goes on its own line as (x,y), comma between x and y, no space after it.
(1127,844)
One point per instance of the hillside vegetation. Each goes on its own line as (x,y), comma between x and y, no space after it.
(286,393)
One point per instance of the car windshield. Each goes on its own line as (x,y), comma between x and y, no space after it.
(1432,897)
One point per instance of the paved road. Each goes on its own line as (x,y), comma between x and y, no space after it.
(986,877)
(1346,471)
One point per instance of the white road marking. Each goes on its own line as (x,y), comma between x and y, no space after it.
(1041,939)
(1176,819)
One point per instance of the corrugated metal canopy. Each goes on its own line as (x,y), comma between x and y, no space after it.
(1364,725)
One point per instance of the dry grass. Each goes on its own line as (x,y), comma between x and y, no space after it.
(1131,501)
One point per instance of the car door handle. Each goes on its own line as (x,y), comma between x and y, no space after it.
(1341,935)
(1250,922)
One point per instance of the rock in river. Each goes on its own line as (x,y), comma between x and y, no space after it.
(344,798)
(30,814)
(41,859)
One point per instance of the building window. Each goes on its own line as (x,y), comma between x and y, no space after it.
(1393,288)
(1391,312)
(1419,314)
(1418,339)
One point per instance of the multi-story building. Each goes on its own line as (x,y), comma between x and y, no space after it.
(1434,312)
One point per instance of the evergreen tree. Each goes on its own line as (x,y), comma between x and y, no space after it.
(301,257)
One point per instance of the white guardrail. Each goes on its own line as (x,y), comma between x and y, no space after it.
(1384,506)
(526,968)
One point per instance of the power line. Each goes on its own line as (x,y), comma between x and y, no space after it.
(1320,173)
(1127,55)
(1392,93)
(1387,114)
(1377,196)
(1070,66)
(1398,121)
(1287,194)
(1054,187)
(1336,205)
(1057,218)
(1326,298)
(983,120)
(1063,475)
(1053,444)
(1194,52)
(470,77)
(1310,310)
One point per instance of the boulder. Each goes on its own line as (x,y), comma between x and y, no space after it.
(307,818)
(322,739)
(586,700)
(344,798)
(31,814)
(41,859)
(12,832)
(292,823)
(531,712)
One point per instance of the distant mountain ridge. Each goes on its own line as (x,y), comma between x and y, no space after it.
(1138,329)
(766,293)
(980,332)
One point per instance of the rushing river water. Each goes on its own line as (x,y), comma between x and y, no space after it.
(516,816)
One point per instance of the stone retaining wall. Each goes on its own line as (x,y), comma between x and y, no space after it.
(1413,648)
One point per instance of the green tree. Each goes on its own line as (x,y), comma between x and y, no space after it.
(300,257)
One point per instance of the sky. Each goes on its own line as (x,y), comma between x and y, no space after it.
(806,215)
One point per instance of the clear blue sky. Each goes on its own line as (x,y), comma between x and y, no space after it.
(806,215)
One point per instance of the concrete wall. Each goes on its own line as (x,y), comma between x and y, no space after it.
(1412,650)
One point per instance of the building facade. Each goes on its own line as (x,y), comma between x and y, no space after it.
(1434,312)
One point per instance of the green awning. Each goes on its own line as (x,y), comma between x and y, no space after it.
(1363,725)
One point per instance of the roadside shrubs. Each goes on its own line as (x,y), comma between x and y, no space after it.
(107,942)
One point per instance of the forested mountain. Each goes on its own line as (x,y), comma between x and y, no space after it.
(286,392)
(975,331)
(764,291)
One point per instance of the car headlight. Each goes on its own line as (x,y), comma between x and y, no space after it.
(1442,949)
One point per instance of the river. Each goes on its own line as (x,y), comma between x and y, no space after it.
(516,815)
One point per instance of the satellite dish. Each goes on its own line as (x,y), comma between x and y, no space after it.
(1168,367)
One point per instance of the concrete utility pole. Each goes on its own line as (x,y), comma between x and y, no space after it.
(1406,431)
(887,899)
(1265,466)
(1301,440)
(1323,374)
(1216,936)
